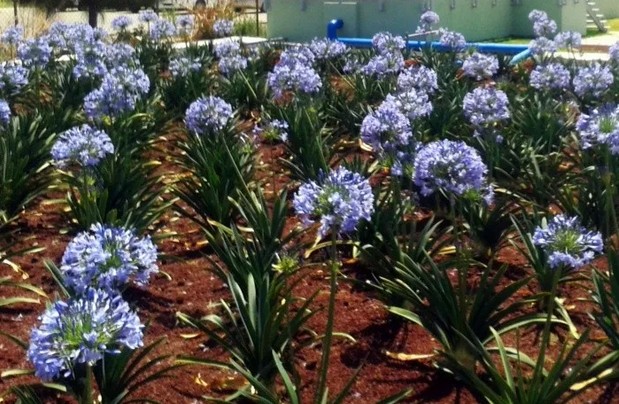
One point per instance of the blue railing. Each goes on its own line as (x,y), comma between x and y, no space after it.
(520,52)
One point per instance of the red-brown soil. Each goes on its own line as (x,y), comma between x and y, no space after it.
(193,289)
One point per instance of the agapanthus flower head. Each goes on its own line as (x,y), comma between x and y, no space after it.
(568,39)
(84,145)
(600,127)
(593,80)
(274,130)
(147,16)
(542,46)
(35,52)
(230,64)
(451,167)
(207,115)
(121,55)
(63,37)
(121,23)
(185,24)
(384,64)
(161,29)
(387,128)
(108,258)
(413,104)
(297,78)
(486,106)
(544,27)
(181,67)
(227,47)
(223,27)
(385,43)
(119,92)
(338,200)
(537,15)
(567,243)
(613,52)
(427,20)
(90,56)
(298,54)
(326,49)
(480,66)
(13,77)
(420,78)
(551,76)
(82,331)
(5,113)
(12,35)
(452,40)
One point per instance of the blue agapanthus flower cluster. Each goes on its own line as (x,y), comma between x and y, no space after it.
(90,56)
(119,92)
(147,16)
(13,78)
(35,52)
(84,145)
(60,35)
(451,167)
(385,43)
(223,27)
(82,331)
(5,112)
(161,29)
(414,104)
(121,23)
(183,66)
(600,127)
(386,129)
(207,115)
(486,106)
(427,20)
(613,52)
(542,46)
(325,49)
(593,80)
(297,77)
(551,76)
(230,58)
(108,258)
(452,40)
(543,26)
(12,35)
(298,54)
(184,25)
(568,39)
(567,243)
(274,130)
(338,200)
(388,58)
(480,66)
(420,78)
(121,54)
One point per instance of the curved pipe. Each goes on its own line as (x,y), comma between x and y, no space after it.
(524,55)
(332,28)
(520,52)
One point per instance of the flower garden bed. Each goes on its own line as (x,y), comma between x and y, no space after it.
(306,223)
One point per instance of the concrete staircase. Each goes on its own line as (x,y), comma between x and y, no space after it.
(595,18)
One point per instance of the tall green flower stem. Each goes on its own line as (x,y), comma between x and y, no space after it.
(82,387)
(609,180)
(334,264)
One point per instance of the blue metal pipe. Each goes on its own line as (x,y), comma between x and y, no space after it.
(521,52)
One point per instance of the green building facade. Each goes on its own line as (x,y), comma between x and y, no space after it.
(301,20)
